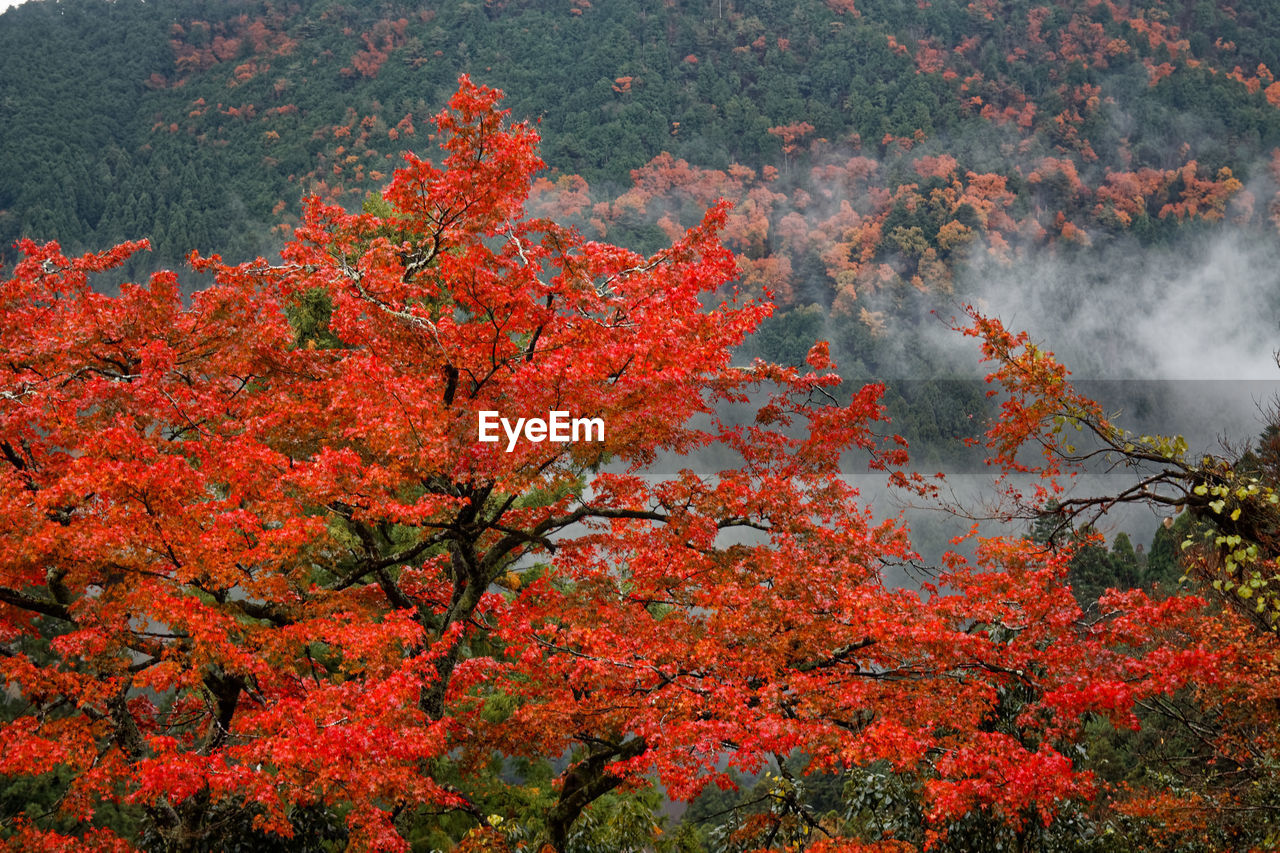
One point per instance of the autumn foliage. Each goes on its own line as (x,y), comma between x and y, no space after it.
(1047,434)
(253,558)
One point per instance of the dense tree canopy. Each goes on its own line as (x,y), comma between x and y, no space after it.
(1025,125)
(259,578)
(261,586)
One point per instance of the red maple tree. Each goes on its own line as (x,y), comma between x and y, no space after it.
(254,560)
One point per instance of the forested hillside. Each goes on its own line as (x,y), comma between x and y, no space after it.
(868,145)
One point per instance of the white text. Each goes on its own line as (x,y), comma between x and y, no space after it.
(559,427)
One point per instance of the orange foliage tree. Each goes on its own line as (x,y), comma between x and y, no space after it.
(255,560)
